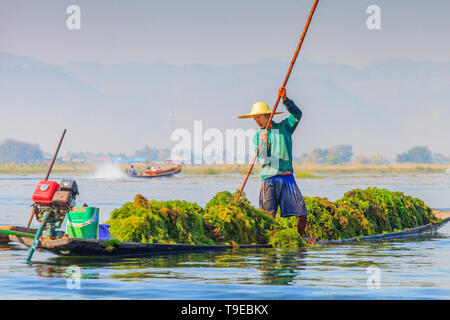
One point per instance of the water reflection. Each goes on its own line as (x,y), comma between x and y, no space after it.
(407,266)
(281,268)
(5,247)
(44,270)
(245,266)
(411,268)
(10,246)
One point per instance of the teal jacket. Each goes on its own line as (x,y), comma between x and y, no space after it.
(276,155)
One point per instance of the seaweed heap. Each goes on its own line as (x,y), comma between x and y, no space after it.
(241,223)
(362,213)
(385,211)
(159,222)
(358,213)
(183,222)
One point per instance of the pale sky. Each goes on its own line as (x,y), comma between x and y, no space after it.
(223,32)
(220,33)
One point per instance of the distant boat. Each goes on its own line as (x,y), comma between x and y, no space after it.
(163,173)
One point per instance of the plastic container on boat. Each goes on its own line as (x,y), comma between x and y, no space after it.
(82,222)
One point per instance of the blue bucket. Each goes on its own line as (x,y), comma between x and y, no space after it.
(103,232)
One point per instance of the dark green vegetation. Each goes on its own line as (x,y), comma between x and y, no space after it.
(417,155)
(358,213)
(334,155)
(343,154)
(110,245)
(159,221)
(12,151)
(362,213)
(241,223)
(422,155)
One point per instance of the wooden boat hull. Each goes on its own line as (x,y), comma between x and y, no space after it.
(430,228)
(163,173)
(92,247)
(5,238)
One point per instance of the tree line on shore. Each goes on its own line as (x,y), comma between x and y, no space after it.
(343,154)
(13,151)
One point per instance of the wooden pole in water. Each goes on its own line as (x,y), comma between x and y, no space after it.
(305,29)
(49,171)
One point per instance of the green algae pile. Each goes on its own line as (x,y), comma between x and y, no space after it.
(362,213)
(159,222)
(358,213)
(242,223)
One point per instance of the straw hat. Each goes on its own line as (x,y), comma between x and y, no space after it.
(258,108)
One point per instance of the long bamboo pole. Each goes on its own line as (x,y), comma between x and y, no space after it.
(305,29)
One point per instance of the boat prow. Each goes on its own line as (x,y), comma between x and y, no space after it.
(16,234)
(430,229)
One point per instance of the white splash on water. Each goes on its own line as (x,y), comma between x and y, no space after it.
(108,171)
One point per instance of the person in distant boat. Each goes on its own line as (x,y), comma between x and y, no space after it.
(132,171)
(158,170)
(153,170)
(147,171)
(278,187)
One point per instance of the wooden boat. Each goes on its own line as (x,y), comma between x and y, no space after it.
(7,231)
(163,173)
(428,229)
(3,237)
(92,247)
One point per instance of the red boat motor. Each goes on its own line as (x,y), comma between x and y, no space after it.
(52,201)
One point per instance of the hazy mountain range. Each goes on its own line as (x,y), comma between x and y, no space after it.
(388,106)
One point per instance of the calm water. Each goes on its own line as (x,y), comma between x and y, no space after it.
(417,268)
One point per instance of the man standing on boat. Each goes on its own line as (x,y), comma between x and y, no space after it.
(278,188)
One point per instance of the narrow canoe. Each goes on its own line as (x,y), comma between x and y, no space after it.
(430,229)
(163,173)
(92,247)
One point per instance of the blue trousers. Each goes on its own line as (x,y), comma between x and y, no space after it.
(282,191)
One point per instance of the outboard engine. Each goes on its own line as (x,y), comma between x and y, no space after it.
(56,200)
